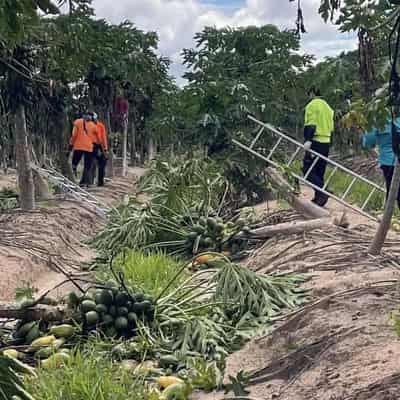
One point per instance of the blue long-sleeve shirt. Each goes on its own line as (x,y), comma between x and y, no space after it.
(383,140)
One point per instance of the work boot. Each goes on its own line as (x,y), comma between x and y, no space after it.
(320,199)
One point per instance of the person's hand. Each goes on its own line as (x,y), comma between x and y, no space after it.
(307,145)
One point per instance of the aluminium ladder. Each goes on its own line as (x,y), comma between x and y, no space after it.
(285,141)
(74,190)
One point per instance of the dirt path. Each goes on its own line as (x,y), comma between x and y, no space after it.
(343,346)
(34,246)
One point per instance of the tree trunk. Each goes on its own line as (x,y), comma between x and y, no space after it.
(41,187)
(110,162)
(25,178)
(383,229)
(133,142)
(125,147)
(289,228)
(64,132)
(40,312)
(151,153)
(303,206)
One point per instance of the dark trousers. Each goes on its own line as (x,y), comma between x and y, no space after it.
(87,163)
(101,161)
(317,174)
(388,174)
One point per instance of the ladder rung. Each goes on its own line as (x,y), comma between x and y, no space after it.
(348,188)
(308,172)
(330,177)
(257,137)
(368,198)
(274,148)
(293,157)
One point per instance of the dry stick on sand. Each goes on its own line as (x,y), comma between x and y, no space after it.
(293,316)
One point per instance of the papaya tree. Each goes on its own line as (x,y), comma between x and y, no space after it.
(236,72)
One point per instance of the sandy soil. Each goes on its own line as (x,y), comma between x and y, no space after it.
(34,246)
(342,346)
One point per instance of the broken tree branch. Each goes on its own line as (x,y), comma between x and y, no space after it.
(303,206)
(290,228)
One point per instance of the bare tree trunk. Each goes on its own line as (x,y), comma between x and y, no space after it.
(303,206)
(25,178)
(289,228)
(151,153)
(133,142)
(380,236)
(125,147)
(41,187)
(110,162)
(66,167)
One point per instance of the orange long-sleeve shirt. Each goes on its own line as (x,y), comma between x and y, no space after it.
(102,135)
(84,134)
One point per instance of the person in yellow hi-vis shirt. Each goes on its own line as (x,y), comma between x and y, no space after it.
(318,128)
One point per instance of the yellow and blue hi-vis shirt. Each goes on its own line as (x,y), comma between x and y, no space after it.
(320,114)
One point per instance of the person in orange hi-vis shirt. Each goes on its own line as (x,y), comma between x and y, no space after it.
(100,150)
(84,134)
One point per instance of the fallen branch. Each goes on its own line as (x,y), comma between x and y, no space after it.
(40,312)
(303,206)
(290,228)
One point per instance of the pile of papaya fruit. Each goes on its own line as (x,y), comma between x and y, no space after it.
(213,234)
(112,311)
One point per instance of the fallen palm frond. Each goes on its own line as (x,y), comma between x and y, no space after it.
(11,385)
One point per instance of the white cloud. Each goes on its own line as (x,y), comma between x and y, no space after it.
(176,21)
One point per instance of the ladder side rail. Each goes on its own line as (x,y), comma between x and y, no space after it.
(329,161)
(80,195)
(73,187)
(301,179)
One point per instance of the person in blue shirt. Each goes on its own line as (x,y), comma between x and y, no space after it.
(382,138)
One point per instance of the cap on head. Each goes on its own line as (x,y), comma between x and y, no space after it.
(314,91)
(87,115)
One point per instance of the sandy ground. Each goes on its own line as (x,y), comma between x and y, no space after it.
(342,346)
(34,246)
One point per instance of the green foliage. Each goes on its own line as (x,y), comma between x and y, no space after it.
(204,375)
(8,199)
(11,385)
(25,292)
(89,375)
(148,272)
(180,183)
(395,320)
(358,193)
(247,295)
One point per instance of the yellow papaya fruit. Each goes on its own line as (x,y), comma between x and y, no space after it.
(11,353)
(43,342)
(165,381)
(177,391)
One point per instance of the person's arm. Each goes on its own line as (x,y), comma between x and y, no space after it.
(73,138)
(104,142)
(310,125)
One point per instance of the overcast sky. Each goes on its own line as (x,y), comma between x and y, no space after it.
(176,21)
